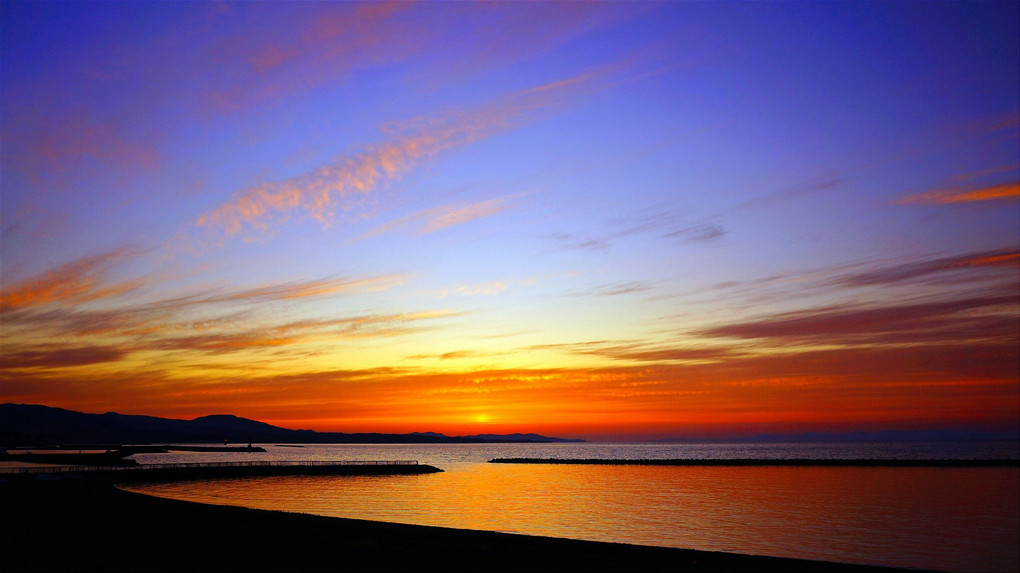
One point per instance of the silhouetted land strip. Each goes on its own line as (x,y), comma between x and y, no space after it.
(218,470)
(759,462)
(86,524)
(113,456)
(102,459)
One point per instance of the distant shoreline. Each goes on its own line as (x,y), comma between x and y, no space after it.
(99,527)
(941,463)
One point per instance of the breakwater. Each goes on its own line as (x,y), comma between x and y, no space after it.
(214,470)
(767,462)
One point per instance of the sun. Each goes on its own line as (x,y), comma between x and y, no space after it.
(481,418)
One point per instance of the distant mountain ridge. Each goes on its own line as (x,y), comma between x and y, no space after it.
(516,437)
(32,424)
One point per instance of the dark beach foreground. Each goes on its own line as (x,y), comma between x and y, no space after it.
(87,524)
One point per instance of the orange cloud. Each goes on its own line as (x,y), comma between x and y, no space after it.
(444,216)
(450,216)
(992,193)
(306,289)
(77,281)
(998,260)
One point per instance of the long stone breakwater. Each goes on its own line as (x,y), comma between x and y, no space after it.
(212,470)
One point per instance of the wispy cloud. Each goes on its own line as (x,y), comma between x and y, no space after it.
(77,281)
(302,289)
(337,40)
(61,356)
(1011,168)
(456,215)
(978,264)
(444,216)
(316,46)
(73,321)
(698,233)
(452,355)
(1005,191)
(811,187)
(51,304)
(616,289)
(486,288)
(295,333)
(571,241)
(987,317)
(636,351)
(660,221)
(53,148)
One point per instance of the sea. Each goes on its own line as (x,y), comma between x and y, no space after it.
(941,518)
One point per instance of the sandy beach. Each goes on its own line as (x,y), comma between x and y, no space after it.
(90,525)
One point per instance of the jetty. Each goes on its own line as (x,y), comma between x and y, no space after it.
(215,470)
(941,463)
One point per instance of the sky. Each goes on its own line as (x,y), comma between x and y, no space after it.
(611,221)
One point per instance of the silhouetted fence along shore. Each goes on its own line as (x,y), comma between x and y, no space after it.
(184,471)
(761,462)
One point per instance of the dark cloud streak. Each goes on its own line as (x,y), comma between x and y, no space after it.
(66,357)
(982,261)
(846,324)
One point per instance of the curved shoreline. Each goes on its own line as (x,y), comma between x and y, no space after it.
(87,524)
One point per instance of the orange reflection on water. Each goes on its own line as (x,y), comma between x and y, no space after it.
(962,519)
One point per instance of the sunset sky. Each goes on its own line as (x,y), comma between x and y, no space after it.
(599,220)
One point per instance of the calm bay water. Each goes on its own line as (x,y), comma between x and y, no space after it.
(958,519)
